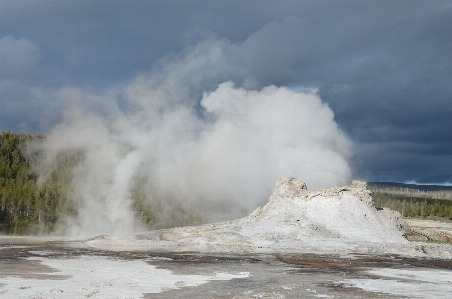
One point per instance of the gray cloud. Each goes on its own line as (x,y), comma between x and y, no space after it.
(17,56)
(383,67)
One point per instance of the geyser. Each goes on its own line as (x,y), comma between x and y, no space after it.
(337,220)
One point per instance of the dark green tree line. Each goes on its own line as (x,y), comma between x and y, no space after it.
(29,207)
(414,206)
(21,205)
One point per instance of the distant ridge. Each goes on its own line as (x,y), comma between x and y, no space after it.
(409,186)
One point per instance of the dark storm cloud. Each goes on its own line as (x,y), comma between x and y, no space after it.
(384,67)
(405,161)
(18,56)
(97,42)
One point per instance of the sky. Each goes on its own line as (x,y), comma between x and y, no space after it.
(384,68)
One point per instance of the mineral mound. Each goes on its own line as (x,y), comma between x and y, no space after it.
(346,212)
(338,220)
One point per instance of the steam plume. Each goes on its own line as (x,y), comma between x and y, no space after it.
(194,135)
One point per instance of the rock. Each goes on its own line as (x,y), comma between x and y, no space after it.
(346,213)
(289,187)
(358,184)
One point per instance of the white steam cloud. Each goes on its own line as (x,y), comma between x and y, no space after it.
(195,135)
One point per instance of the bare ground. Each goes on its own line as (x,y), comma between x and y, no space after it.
(270,275)
(429,230)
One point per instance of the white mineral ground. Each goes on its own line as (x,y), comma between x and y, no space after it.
(100,277)
(295,220)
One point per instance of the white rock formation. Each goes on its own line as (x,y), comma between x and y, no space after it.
(347,213)
(337,220)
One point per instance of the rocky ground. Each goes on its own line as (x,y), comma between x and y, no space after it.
(429,230)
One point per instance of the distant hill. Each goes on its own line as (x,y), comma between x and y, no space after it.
(409,186)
